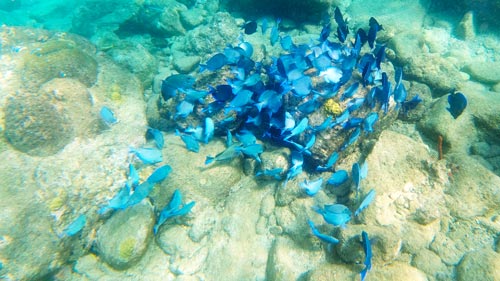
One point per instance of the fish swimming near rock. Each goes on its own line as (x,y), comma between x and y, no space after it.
(338,178)
(108,116)
(226,155)
(336,214)
(159,174)
(214,63)
(189,140)
(323,237)
(147,155)
(250,27)
(75,227)
(367,248)
(172,83)
(457,102)
(173,209)
(156,135)
(366,202)
(311,187)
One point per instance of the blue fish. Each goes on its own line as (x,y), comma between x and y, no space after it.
(372,32)
(214,63)
(229,139)
(173,209)
(323,126)
(275,33)
(301,127)
(208,130)
(296,169)
(342,29)
(246,137)
(329,163)
(338,178)
(159,174)
(366,202)
(250,27)
(194,96)
(222,93)
(133,176)
(457,102)
(242,98)
(336,214)
(311,187)
(367,248)
(264,25)
(411,104)
(323,237)
(189,140)
(356,176)
(172,83)
(75,227)
(325,32)
(140,193)
(287,43)
(226,155)
(156,135)
(184,109)
(119,201)
(349,92)
(352,138)
(147,155)
(108,116)
(252,150)
(369,121)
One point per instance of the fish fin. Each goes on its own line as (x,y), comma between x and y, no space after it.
(209,160)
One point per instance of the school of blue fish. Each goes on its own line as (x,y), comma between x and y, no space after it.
(272,102)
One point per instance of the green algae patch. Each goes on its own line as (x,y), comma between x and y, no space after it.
(127,248)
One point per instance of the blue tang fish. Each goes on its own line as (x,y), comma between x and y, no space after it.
(75,227)
(156,135)
(108,116)
(189,140)
(311,187)
(250,27)
(457,102)
(173,209)
(323,237)
(367,248)
(172,83)
(366,202)
(147,155)
(214,63)
(118,202)
(336,214)
(338,178)
(159,174)
(329,163)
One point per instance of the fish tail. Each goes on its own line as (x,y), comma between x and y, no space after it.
(209,160)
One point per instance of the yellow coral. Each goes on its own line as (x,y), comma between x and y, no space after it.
(115,92)
(127,248)
(332,107)
(56,203)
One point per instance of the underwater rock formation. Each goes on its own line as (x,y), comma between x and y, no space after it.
(35,126)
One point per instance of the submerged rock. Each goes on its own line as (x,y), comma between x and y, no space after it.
(479,265)
(35,126)
(123,239)
(465,29)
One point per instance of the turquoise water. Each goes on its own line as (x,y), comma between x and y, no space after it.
(122,159)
